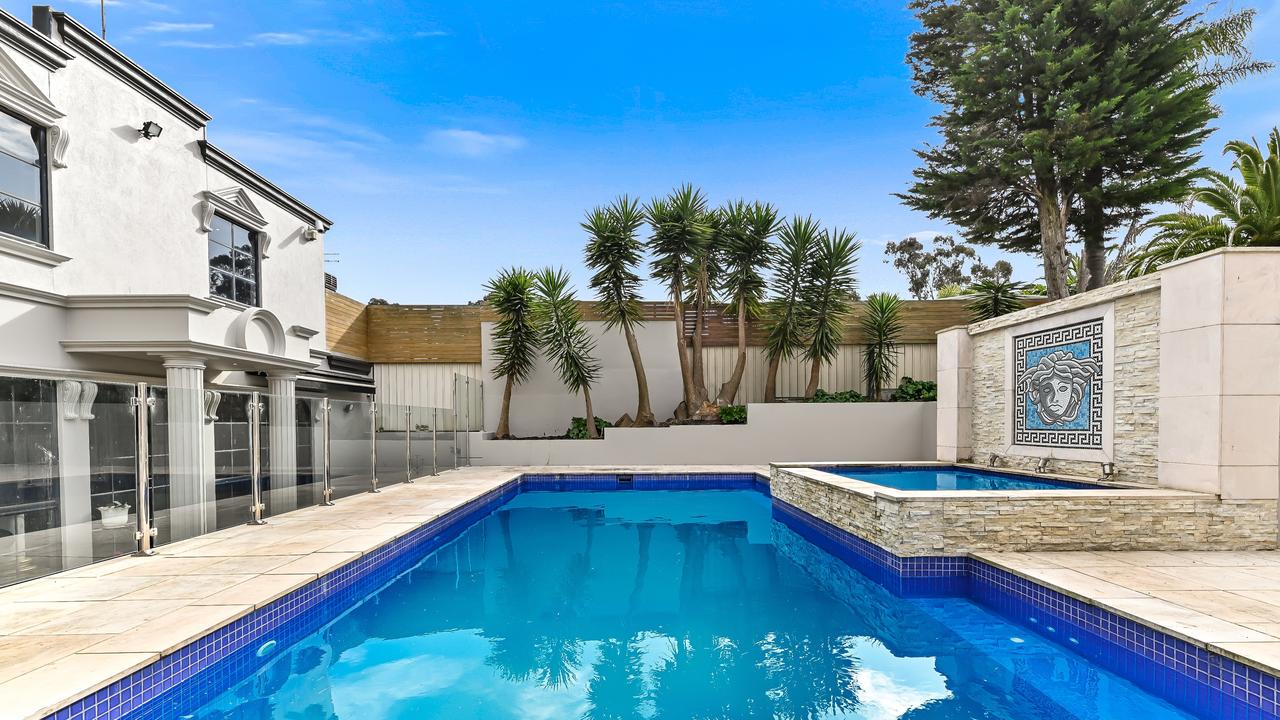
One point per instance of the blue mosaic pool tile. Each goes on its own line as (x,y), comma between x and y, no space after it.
(1204,683)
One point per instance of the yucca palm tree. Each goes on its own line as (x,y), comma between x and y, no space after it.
(745,231)
(827,297)
(783,321)
(705,270)
(881,325)
(515,339)
(993,298)
(1241,213)
(564,338)
(614,252)
(680,231)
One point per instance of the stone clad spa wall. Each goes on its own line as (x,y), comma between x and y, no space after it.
(1179,373)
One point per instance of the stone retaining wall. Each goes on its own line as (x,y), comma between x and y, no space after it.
(950,524)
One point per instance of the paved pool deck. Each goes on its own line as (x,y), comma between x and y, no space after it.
(69,634)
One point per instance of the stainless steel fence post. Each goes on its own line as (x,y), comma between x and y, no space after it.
(325,408)
(435,441)
(255,460)
(373,446)
(408,444)
(455,433)
(142,404)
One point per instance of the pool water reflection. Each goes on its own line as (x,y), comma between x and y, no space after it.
(662,604)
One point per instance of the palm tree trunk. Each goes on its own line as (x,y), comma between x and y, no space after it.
(504,417)
(699,375)
(644,413)
(729,390)
(771,380)
(812,388)
(592,431)
(686,377)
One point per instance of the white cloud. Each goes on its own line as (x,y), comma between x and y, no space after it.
(280,38)
(430,33)
(286,39)
(473,143)
(174,27)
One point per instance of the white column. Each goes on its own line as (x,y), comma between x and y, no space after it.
(73,473)
(283,443)
(955,395)
(190,479)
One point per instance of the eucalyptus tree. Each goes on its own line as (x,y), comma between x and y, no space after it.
(745,230)
(564,338)
(515,338)
(826,299)
(680,234)
(881,325)
(614,252)
(1242,211)
(784,323)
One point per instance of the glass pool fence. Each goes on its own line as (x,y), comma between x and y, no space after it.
(91,470)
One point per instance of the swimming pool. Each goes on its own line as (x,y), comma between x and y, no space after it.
(572,598)
(951,478)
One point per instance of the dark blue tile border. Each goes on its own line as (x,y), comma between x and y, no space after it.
(1205,683)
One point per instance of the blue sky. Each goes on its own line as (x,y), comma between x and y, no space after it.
(447,139)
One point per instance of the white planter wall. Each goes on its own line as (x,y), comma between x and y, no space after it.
(788,432)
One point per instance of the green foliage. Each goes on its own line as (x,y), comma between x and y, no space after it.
(578,427)
(950,291)
(994,298)
(1242,213)
(843,396)
(681,234)
(563,336)
(745,230)
(783,320)
(614,251)
(1051,105)
(910,390)
(827,296)
(881,325)
(948,264)
(515,338)
(733,414)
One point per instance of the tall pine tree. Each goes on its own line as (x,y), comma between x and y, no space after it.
(1050,106)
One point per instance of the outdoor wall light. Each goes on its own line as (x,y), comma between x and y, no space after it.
(150,129)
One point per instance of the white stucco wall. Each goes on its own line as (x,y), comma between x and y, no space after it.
(784,432)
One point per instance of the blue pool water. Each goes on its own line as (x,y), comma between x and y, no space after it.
(662,604)
(949,478)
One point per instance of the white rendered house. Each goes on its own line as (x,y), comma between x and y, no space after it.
(134,250)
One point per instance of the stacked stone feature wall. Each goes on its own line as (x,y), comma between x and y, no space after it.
(1088,520)
(1136,389)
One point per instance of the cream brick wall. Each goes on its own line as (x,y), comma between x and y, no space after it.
(1089,520)
(1137,379)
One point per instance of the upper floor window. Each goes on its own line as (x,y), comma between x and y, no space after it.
(233,261)
(22,180)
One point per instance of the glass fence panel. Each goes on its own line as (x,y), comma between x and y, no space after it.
(66,475)
(292,454)
(468,403)
(393,443)
(424,443)
(351,447)
(232,462)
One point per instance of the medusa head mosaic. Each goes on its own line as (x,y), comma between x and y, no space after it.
(1058,387)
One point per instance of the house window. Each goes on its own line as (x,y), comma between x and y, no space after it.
(233,261)
(22,180)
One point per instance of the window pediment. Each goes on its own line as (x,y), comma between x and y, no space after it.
(20,93)
(235,203)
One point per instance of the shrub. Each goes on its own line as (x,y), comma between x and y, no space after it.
(578,427)
(915,390)
(733,414)
(844,396)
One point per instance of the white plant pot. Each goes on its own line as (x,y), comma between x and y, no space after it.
(114,516)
